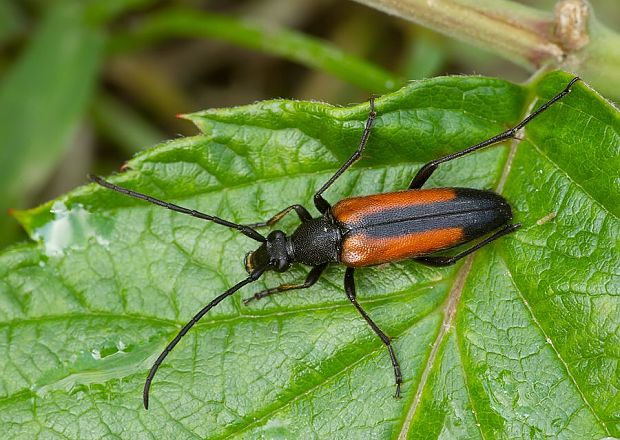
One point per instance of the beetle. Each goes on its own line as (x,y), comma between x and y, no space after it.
(365,231)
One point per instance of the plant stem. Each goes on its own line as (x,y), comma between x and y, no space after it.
(570,38)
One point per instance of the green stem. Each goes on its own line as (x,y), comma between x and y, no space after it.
(570,38)
(599,63)
(291,45)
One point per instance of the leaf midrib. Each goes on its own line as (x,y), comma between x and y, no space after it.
(451,304)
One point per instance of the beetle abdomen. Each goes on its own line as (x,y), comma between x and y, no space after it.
(396,226)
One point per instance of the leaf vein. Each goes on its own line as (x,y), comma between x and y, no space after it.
(553,348)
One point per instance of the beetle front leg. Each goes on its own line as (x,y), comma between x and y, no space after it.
(302,213)
(349,287)
(312,278)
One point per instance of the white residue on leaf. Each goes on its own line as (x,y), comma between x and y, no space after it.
(102,241)
(70,229)
(121,346)
(93,368)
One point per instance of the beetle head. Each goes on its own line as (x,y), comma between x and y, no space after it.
(273,254)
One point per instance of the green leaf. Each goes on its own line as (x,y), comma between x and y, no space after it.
(518,341)
(42,99)
(288,44)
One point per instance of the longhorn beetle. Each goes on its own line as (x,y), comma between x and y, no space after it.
(366,231)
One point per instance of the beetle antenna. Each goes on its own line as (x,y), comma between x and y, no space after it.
(245,230)
(160,359)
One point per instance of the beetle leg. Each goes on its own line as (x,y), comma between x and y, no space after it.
(425,172)
(323,205)
(312,278)
(349,287)
(447,261)
(302,212)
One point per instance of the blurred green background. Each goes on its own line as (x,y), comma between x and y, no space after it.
(86,84)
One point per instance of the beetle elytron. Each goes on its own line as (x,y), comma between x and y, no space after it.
(365,231)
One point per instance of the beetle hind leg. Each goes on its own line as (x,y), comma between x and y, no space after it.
(450,260)
(429,168)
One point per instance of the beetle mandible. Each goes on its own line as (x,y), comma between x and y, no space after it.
(366,231)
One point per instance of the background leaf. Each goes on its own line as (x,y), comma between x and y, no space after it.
(42,98)
(295,46)
(519,341)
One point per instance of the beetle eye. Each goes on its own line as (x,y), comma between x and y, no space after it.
(247,261)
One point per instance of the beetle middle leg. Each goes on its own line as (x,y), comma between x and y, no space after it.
(349,287)
(429,168)
(448,261)
(323,205)
(312,278)
(302,213)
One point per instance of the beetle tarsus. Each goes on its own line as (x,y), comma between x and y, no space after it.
(397,393)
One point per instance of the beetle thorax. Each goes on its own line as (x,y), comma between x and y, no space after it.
(316,241)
